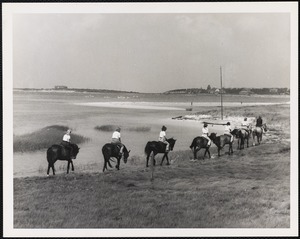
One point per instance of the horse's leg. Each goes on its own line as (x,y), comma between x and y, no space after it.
(154,161)
(104,165)
(53,169)
(147,161)
(219,151)
(261,137)
(68,166)
(195,153)
(72,165)
(204,153)
(208,152)
(108,161)
(168,163)
(48,169)
(118,163)
(163,158)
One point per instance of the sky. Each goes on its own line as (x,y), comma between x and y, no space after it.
(151,52)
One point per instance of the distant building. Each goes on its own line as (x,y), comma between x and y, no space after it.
(245,92)
(274,91)
(60,87)
(219,91)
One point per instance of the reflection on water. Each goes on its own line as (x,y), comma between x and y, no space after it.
(33,111)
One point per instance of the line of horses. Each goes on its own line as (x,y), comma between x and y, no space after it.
(109,150)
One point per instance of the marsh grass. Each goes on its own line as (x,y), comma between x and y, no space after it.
(111,128)
(44,138)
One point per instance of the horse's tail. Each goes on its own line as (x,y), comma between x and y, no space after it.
(148,148)
(193,143)
(50,154)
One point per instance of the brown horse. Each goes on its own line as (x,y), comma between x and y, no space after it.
(242,135)
(109,151)
(221,141)
(258,132)
(59,152)
(199,143)
(158,147)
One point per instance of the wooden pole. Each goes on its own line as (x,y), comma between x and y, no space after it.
(221,93)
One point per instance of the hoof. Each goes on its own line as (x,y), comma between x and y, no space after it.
(47,175)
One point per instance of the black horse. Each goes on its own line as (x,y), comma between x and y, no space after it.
(158,147)
(199,143)
(242,135)
(221,141)
(59,152)
(258,132)
(110,150)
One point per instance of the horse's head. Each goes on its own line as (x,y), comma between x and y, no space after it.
(126,154)
(265,127)
(75,150)
(172,142)
(213,136)
(236,132)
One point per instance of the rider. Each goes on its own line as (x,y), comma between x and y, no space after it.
(163,137)
(205,133)
(227,131)
(116,139)
(245,125)
(259,122)
(66,142)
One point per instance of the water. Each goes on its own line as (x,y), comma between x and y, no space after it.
(82,112)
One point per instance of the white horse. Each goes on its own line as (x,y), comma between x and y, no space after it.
(258,132)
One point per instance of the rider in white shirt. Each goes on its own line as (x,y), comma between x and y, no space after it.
(227,131)
(245,125)
(66,142)
(205,134)
(163,137)
(116,139)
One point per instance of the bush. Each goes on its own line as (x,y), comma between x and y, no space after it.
(107,128)
(111,128)
(43,138)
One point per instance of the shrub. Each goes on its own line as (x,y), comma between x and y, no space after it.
(110,128)
(107,128)
(43,138)
(140,129)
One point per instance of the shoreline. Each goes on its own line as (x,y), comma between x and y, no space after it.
(170,105)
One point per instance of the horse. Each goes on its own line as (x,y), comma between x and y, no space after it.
(258,132)
(221,141)
(111,150)
(59,152)
(158,147)
(242,135)
(199,143)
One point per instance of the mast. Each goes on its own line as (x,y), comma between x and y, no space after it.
(221,93)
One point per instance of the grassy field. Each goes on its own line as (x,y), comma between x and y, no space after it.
(249,189)
(44,138)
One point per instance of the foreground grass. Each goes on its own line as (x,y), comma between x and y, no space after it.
(245,190)
(43,138)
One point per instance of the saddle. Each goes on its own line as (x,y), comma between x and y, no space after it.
(205,139)
(67,149)
(163,146)
(117,147)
